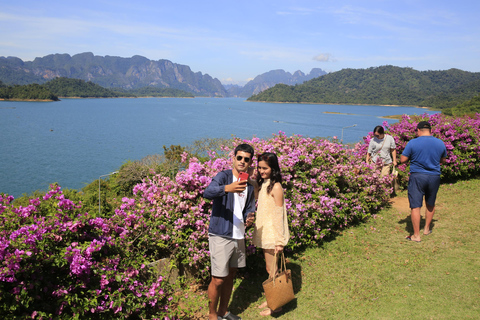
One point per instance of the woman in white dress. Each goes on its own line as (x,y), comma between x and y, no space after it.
(271,226)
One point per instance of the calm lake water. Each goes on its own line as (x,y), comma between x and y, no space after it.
(75,141)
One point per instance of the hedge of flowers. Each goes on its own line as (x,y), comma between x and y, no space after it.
(327,187)
(58,261)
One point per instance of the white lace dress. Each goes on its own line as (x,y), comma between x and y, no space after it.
(271,224)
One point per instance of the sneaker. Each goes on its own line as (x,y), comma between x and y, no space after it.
(231,316)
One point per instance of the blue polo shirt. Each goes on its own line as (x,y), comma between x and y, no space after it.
(425,153)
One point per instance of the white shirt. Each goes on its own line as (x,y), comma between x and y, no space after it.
(240,198)
(379,148)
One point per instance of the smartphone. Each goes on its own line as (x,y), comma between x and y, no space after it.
(242,176)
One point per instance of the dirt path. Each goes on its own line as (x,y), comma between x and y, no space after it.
(401,204)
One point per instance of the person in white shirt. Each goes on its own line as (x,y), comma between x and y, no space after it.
(382,148)
(233,209)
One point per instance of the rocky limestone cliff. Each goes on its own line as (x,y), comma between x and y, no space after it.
(110,72)
(270,79)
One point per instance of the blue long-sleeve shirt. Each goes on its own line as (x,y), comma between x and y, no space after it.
(221,220)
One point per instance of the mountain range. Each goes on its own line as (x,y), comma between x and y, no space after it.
(384,85)
(270,79)
(137,72)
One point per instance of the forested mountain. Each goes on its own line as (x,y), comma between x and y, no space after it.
(270,79)
(66,87)
(469,107)
(76,88)
(455,96)
(139,76)
(386,85)
(110,72)
(27,92)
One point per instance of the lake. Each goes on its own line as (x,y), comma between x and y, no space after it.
(74,141)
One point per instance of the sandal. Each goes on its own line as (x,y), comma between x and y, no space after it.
(409,238)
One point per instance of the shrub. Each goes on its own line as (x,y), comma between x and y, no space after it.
(327,187)
(59,262)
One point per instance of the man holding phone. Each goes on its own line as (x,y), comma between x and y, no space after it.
(233,209)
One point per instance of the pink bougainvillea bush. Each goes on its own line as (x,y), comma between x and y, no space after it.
(327,187)
(58,262)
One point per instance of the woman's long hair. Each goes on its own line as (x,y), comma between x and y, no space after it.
(276,175)
(379,130)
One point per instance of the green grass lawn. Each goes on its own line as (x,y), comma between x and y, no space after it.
(371,272)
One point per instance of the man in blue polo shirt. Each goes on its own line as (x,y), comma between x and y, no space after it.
(425,154)
(232,210)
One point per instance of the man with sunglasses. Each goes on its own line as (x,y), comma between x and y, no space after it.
(425,153)
(232,210)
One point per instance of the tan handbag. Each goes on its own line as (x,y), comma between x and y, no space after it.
(396,184)
(279,289)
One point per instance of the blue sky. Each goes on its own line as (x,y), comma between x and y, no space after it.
(235,41)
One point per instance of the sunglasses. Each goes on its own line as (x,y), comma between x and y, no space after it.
(239,158)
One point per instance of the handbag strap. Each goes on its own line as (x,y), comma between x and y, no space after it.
(384,139)
(283,265)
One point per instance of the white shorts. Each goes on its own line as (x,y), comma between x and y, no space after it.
(226,253)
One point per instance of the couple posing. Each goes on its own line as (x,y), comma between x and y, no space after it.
(233,210)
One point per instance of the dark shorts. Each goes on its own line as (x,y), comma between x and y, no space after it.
(420,185)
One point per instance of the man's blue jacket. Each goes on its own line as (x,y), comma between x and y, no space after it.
(221,220)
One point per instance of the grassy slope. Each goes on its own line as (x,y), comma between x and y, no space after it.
(371,272)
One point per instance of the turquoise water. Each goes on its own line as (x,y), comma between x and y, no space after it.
(75,141)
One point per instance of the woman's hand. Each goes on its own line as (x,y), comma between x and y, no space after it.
(250,219)
(278,249)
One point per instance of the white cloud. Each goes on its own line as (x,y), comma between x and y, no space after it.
(324,57)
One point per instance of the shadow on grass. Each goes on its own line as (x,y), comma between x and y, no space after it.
(250,290)
(409,226)
(248,283)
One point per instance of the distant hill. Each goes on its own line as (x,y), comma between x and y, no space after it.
(66,87)
(27,92)
(138,73)
(76,88)
(110,72)
(385,85)
(270,79)
(470,107)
